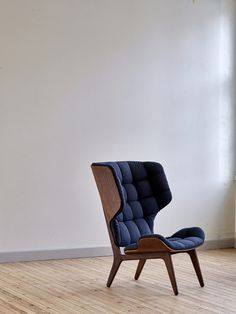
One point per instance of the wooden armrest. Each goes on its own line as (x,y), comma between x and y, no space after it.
(149,245)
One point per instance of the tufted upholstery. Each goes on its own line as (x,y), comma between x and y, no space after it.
(184,239)
(144,191)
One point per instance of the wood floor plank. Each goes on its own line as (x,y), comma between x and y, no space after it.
(78,286)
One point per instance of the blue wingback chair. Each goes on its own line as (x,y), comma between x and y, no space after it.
(132,193)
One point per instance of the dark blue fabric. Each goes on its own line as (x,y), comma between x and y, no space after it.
(184,239)
(144,191)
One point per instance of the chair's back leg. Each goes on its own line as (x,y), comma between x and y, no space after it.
(114,269)
(170,268)
(139,269)
(196,265)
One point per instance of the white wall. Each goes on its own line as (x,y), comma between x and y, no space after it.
(228,103)
(88,80)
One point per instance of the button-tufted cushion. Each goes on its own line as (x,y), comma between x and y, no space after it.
(184,239)
(144,191)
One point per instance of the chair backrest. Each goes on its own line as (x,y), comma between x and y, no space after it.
(143,191)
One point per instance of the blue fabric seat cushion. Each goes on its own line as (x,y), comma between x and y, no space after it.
(184,239)
(144,191)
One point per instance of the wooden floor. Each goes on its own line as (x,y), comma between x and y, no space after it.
(78,286)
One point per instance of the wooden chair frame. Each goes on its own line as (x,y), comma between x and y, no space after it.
(148,248)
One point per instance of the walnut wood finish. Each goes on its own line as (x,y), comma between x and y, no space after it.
(148,248)
(108,191)
(194,259)
(149,245)
(114,269)
(140,266)
(170,268)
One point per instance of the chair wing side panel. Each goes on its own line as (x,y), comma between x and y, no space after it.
(108,190)
(159,183)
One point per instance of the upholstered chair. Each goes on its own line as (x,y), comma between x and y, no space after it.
(132,193)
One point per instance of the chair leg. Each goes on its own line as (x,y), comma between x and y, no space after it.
(169,265)
(196,265)
(113,271)
(139,269)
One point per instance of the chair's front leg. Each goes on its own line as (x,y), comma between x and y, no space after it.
(196,265)
(114,269)
(140,266)
(170,268)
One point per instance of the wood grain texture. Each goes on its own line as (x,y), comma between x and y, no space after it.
(108,191)
(77,286)
(149,245)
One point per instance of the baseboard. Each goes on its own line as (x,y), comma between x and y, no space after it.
(218,244)
(27,256)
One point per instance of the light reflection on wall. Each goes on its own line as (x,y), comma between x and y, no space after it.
(227,95)
(227,113)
